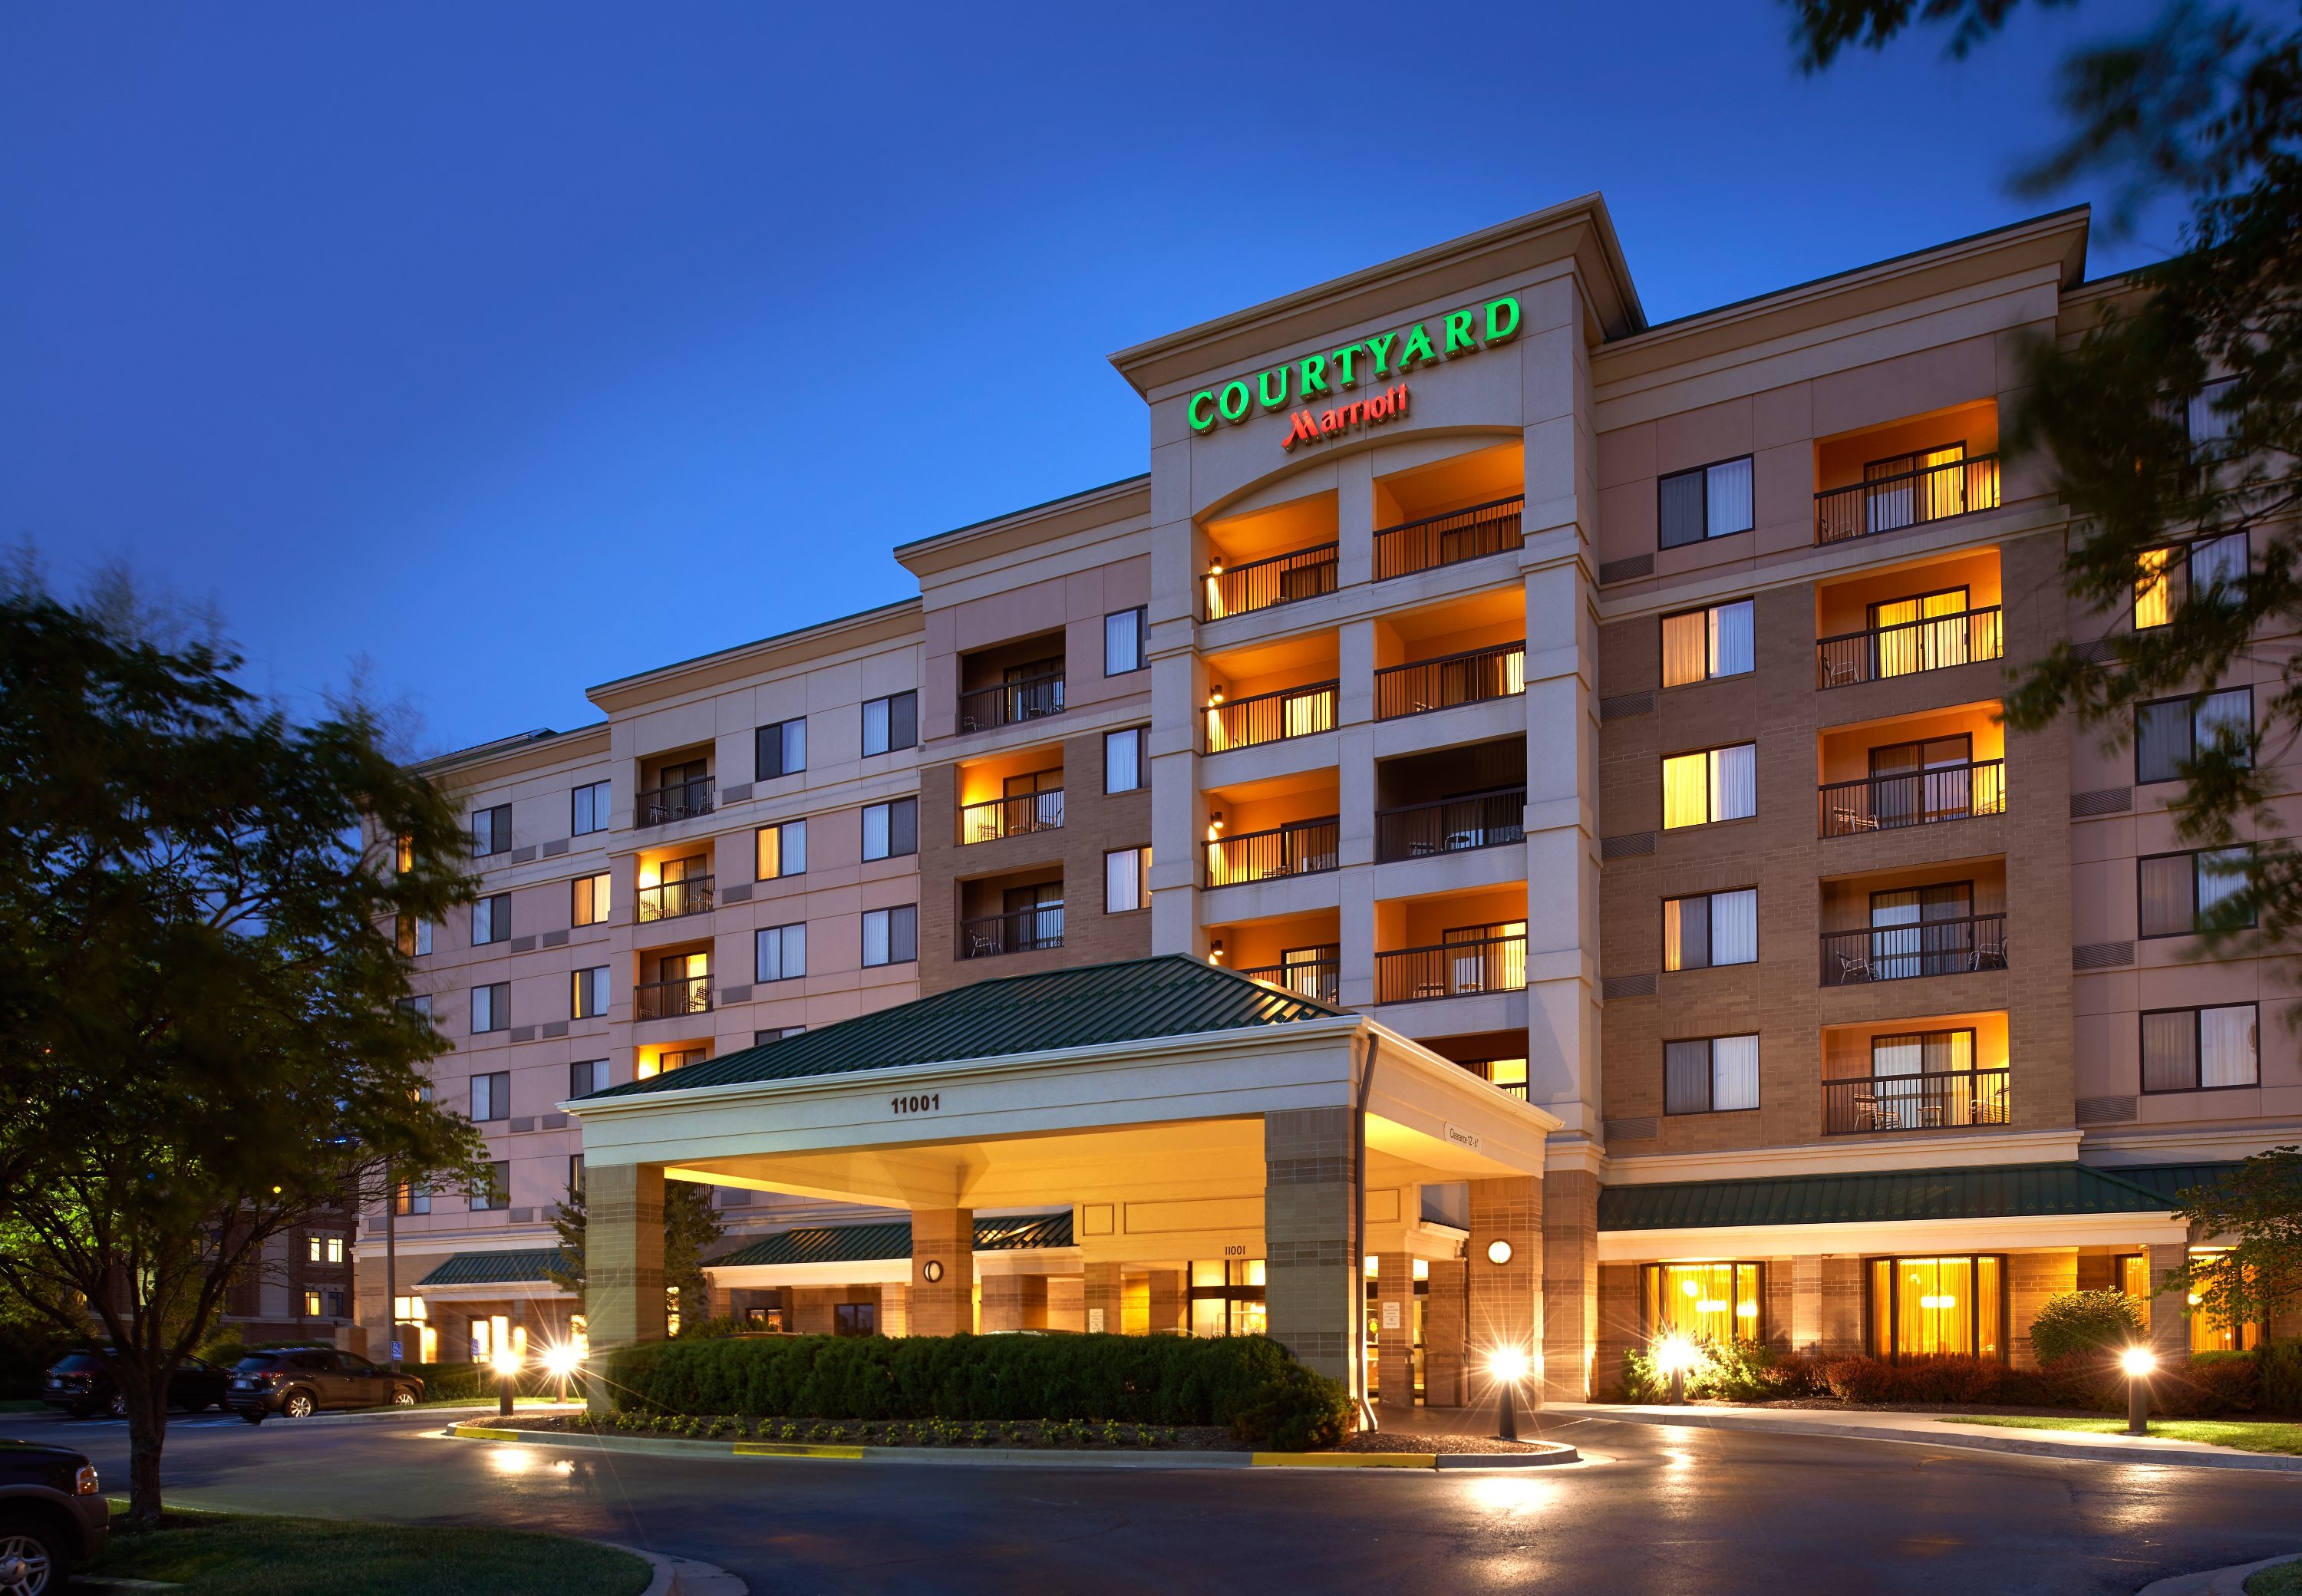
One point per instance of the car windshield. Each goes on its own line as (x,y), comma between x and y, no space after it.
(78,1363)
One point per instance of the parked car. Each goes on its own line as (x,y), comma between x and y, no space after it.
(81,1384)
(53,1518)
(298,1381)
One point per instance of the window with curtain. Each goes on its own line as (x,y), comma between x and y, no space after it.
(588,806)
(891,723)
(1126,879)
(1927,631)
(2177,892)
(2169,733)
(891,829)
(2189,1050)
(1937,1307)
(1710,929)
(1709,501)
(591,998)
(2203,416)
(1716,784)
(1923,1053)
(1713,1302)
(782,952)
(1702,644)
(1711,1075)
(1122,759)
(588,899)
(891,935)
(780,750)
(782,850)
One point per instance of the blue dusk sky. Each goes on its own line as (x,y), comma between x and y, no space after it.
(513,348)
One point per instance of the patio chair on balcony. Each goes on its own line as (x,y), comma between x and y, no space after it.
(981,944)
(1853,967)
(1848,818)
(1842,673)
(1987,955)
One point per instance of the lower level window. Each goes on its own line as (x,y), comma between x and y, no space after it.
(2209,1333)
(854,1319)
(1937,1307)
(1228,1297)
(1712,1302)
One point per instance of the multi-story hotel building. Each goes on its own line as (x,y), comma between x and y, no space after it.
(1593,725)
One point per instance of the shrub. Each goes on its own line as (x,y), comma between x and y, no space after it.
(2211,1384)
(2278,1372)
(708,1330)
(2086,1323)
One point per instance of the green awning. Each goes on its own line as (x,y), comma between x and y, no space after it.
(1884,1196)
(892,1239)
(495,1269)
(2171,1180)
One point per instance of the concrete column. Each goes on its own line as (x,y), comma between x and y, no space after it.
(1394,1293)
(1506,1298)
(2170,1321)
(1570,1283)
(1312,1277)
(1354,519)
(622,1246)
(1003,1302)
(1445,1334)
(1168,1303)
(944,1237)
(1104,1304)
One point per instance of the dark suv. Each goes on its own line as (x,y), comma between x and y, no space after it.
(298,1381)
(52,1517)
(81,1384)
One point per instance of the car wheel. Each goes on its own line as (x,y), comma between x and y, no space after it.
(118,1406)
(299,1406)
(401,1397)
(32,1561)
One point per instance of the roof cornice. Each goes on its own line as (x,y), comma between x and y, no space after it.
(528,750)
(886,623)
(1037,523)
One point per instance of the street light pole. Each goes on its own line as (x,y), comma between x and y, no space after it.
(2137,1362)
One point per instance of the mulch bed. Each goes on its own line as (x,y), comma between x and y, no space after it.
(1832,1404)
(1007,1434)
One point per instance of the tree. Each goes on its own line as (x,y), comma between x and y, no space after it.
(2256,1209)
(2175,418)
(690,1230)
(204,1017)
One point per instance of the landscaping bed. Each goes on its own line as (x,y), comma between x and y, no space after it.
(1012,1434)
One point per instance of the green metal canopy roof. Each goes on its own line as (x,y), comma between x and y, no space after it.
(1884,1196)
(495,1269)
(2169,1181)
(871,1243)
(1172,995)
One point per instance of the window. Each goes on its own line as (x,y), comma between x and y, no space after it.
(587,1076)
(491,1096)
(782,749)
(1711,1075)
(491,1007)
(1712,1302)
(492,830)
(2194,1050)
(2173,575)
(1124,760)
(891,723)
(1709,501)
(782,952)
(854,1319)
(1720,927)
(412,937)
(1126,642)
(492,919)
(1717,784)
(323,1249)
(575,1174)
(2169,733)
(589,900)
(1705,643)
(2203,417)
(783,850)
(587,806)
(891,935)
(1937,1307)
(891,829)
(1126,880)
(2180,891)
(774,1033)
(497,1193)
(590,995)
(420,1005)
(311,1304)
(415,1198)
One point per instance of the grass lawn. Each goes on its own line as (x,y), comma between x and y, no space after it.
(2242,1434)
(226,1554)
(2285,1580)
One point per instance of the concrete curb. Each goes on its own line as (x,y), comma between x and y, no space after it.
(1979,1440)
(1552,1452)
(2214,1581)
(684,1576)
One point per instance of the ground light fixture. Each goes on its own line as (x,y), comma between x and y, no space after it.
(1676,1355)
(1508,1366)
(507,1362)
(2137,1362)
(561,1361)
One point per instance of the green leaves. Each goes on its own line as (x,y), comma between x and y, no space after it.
(2253,1217)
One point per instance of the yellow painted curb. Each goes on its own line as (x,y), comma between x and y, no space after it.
(477,1432)
(1346,1460)
(778,1448)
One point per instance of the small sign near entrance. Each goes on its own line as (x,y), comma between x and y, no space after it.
(1095,1321)
(396,1353)
(1390,1316)
(1469,1140)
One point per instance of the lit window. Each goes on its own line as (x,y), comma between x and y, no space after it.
(783,850)
(1717,784)
(413,936)
(1720,927)
(589,896)
(590,999)
(1934,1307)
(1703,645)
(1702,1302)
(311,1304)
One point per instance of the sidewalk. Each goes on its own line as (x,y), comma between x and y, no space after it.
(1927,1429)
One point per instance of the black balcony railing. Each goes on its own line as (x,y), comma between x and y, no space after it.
(662,1000)
(1470,677)
(681,801)
(1925,947)
(1452,969)
(1019,816)
(1272,717)
(1451,826)
(1909,498)
(1447,540)
(1298,848)
(1921,798)
(1280,579)
(1909,647)
(1017,931)
(673,899)
(1944,1102)
(1008,703)
(1318,979)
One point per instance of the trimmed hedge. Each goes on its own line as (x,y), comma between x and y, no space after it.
(1250,1384)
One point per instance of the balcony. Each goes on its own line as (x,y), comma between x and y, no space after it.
(671,900)
(1016,931)
(1471,678)
(1019,816)
(666,1000)
(1492,820)
(1320,980)
(1939,642)
(1026,696)
(1272,717)
(1449,539)
(1913,497)
(1298,848)
(1955,1100)
(1974,942)
(1457,968)
(1274,580)
(1952,792)
(679,801)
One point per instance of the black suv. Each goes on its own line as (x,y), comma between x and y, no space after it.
(81,1384)
(53,1518)
(298,1381)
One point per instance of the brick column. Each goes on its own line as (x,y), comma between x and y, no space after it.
(1570,1284)
(1169,1303)
(1312,1278)
(2031,1279)
(1842,1306)
(1445,1329)
(2170,1321)
(947,1237)
(1103,1303)
(1619,1323)
(1506,1300)
(1806,1304)
(1394,1294)
(1003,1302)
(895,1310)
(622,1249)
(1034,1295)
